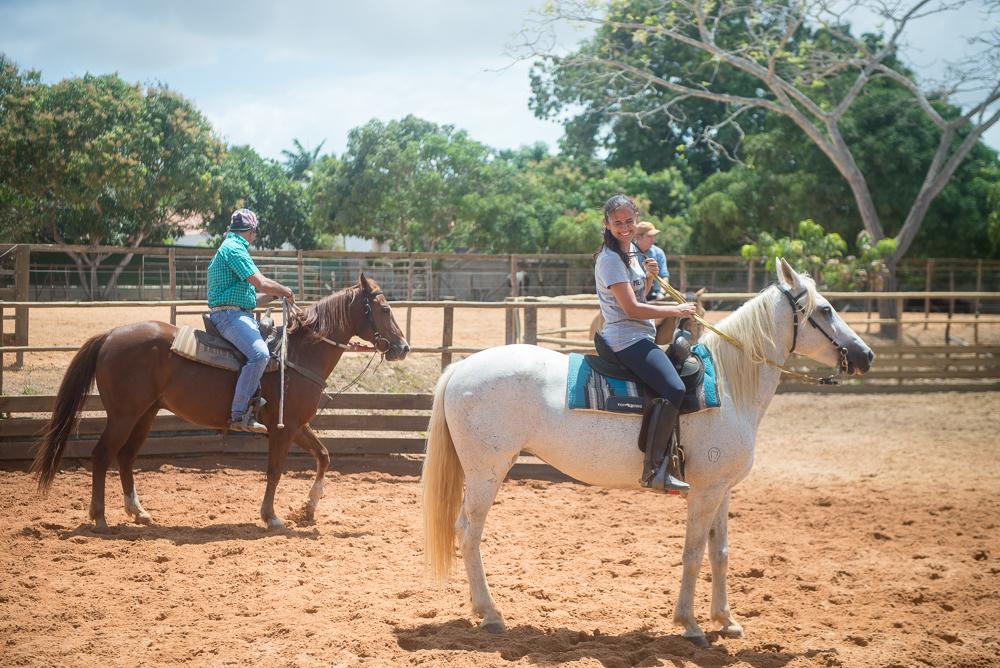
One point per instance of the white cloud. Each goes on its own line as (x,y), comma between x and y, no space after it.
(266,72)
(491,106)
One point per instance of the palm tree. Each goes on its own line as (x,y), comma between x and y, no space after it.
(297,164)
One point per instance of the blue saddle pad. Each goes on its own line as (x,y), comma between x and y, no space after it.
(588,390)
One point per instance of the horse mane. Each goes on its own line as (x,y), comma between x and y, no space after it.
(753,325)
(329,316)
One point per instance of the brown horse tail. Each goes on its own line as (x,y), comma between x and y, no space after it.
(72,395)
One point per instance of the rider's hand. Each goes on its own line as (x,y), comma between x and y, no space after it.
(290,296)
(686,309)
(651,266)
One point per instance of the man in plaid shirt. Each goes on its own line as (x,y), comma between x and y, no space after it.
(233,280)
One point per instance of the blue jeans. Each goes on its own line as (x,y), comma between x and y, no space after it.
(239,328)
(646,360)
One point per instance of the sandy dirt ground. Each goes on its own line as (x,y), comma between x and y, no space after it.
(868,534)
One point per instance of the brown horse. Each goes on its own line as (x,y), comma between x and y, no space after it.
(137,375)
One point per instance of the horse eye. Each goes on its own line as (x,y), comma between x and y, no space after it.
(385,309)
(825,310)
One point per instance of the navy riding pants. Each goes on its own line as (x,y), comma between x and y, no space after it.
(646,360)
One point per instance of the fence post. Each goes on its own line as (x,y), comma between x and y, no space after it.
(22,293)
(531,325)
(510,330)
(1,349)
(513,275)
(975,307)
(409,296)
(446,333)
(562,321)
(927,289)
(899,321)
(302,283)
(750,276)
(172,272)
(684,278)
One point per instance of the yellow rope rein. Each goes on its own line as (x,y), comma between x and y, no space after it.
(679,298)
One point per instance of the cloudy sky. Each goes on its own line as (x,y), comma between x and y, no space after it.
(265,73)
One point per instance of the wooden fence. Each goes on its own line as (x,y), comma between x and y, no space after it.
(406,416)
(20,434)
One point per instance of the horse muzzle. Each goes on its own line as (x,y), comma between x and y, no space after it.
(860,362)
(397,351)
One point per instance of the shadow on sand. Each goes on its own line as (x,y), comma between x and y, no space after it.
(550,647)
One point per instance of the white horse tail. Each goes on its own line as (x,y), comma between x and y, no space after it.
(443,482)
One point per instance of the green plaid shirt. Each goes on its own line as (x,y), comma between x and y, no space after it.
(227,274)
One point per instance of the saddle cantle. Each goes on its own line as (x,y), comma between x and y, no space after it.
(601,382)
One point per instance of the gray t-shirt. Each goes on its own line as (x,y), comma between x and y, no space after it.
(619,330)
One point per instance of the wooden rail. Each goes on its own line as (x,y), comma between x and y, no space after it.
(20,433)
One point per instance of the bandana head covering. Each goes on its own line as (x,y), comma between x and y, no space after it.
(243,220)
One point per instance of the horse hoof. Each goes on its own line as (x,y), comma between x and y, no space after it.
(102,529)
(731,633)
(495,627)
(144,520)
(274,523)
(698,641)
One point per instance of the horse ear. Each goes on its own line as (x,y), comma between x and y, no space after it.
(700,292)
(363,281)
(788,276)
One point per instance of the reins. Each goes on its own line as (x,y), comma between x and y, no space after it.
(833,379)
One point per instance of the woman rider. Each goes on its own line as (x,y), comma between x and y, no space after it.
(622,283)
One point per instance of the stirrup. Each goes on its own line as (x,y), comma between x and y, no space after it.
(664,482)
(255,404)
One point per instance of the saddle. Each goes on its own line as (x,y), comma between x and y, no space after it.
(209,347)
(690,367)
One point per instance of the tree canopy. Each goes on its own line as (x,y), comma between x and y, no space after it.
(97,161)
(651,60)
(263,186)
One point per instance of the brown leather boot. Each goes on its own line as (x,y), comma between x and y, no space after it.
(656,467)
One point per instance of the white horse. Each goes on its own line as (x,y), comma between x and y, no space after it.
(499,402)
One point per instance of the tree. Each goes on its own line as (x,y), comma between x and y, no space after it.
(811,77)
(262,185)
(786,178)
(96,161)
(298,164)
(642,127)
(411,183)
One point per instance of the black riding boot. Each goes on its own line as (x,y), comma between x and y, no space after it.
(659,450)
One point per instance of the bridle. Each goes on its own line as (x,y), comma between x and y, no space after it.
(796,309)
(379,339)
(360,347)
(357,347)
